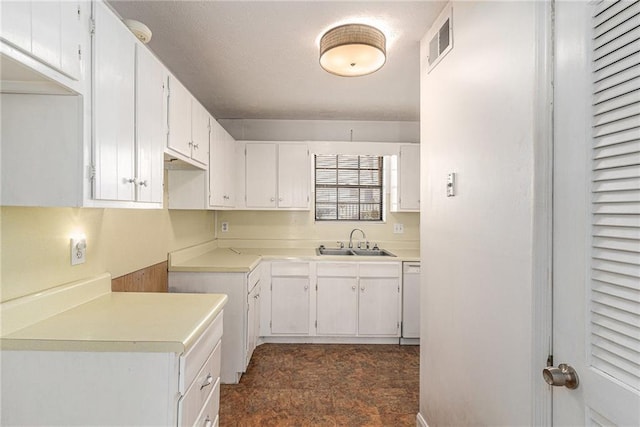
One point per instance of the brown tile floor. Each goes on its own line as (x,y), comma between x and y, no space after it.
(325,385)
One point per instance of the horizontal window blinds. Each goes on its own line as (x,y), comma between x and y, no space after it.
(348,187)
(615,268)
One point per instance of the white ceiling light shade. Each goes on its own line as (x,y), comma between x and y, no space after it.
(141,31)
(353,50)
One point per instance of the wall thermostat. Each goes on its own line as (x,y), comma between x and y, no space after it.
(451,184)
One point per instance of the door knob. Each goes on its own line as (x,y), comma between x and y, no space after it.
(563,375)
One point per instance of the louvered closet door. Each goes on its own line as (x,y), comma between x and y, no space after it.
(596,279)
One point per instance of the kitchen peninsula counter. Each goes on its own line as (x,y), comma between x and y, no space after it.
(87,316)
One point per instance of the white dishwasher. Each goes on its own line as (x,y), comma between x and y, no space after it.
(410,303)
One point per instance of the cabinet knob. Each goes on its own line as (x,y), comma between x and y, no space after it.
(273,199)
(129,180)
(207,382)
(306,287)
(280,199)
(208,422)
(353,287)
(195,146)
(362,288)
(143,183)
(190,143)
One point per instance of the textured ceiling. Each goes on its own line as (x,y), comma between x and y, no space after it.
(259,59)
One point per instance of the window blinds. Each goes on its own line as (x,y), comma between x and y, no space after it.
(348,187)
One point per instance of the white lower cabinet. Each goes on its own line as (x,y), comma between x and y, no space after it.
(114,388)
(358,298)
(337,298)
(240,319)
(350,299)
(290,298)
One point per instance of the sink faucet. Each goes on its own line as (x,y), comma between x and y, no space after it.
(351,237)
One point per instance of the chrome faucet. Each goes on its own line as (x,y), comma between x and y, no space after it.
(351,237)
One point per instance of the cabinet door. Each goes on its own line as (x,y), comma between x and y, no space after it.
(378,310)
(199,133)
(253,321)
(218,170)
(150,126)
(45,31)
(294,170)
(179,118)
(337,306)
(409,177)
(230,170)
(290,305)
(15,24)
(261,175)
(71,15)
(113,107)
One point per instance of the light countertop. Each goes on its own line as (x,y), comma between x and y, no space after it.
(123,322)
(229,260)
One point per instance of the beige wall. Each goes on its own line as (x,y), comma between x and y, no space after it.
(300,226)
(35,243)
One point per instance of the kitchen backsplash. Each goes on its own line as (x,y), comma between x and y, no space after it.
(300,225)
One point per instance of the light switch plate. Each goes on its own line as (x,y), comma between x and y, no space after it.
(225,227)
(78,250)
(398,228)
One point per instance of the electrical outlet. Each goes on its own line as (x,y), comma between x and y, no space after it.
(398,228)
(78,250)
(225,227)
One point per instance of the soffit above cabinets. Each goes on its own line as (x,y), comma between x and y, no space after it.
(259,59)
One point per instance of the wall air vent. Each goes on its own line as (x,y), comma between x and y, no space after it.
(441,38)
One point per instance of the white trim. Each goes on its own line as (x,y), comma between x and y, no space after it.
(420,421)
(542,214)
(315,339)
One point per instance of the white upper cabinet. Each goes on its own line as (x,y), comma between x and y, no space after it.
(15,24)
(261,173)
(277,176)
(409,178)
(179,118)
(50,31)
(128,115)
(151,78)
(293,176)
(188,126)
(113,107)
(200,130)
(221,167)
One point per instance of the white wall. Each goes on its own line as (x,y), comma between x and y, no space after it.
(322,130)
(478,120)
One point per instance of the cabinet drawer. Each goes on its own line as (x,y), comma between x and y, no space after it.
(208,417)
(290,269)
(387,269)
(197,355)
(198,393)
(337,269)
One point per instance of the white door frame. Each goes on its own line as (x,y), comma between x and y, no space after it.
(542,238)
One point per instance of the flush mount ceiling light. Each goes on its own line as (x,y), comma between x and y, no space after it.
(353,50)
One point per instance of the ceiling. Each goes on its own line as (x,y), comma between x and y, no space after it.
(259,59)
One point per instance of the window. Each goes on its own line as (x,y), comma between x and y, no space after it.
(348,187)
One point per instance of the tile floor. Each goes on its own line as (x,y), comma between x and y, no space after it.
(325,385)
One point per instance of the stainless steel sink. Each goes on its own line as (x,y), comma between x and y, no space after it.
(333,251)
(372,252)
(349,252)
